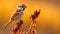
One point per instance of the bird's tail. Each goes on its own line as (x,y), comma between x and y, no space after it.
(6,25)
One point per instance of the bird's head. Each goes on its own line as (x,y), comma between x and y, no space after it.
(23,6)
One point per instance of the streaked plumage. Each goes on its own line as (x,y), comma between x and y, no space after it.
(18,14)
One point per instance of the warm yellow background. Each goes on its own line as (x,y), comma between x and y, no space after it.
(48,20)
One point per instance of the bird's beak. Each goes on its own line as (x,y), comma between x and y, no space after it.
(25,7)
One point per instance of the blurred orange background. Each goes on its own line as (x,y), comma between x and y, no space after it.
(48,20)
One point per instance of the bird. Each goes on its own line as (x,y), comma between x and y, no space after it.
(18,13)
